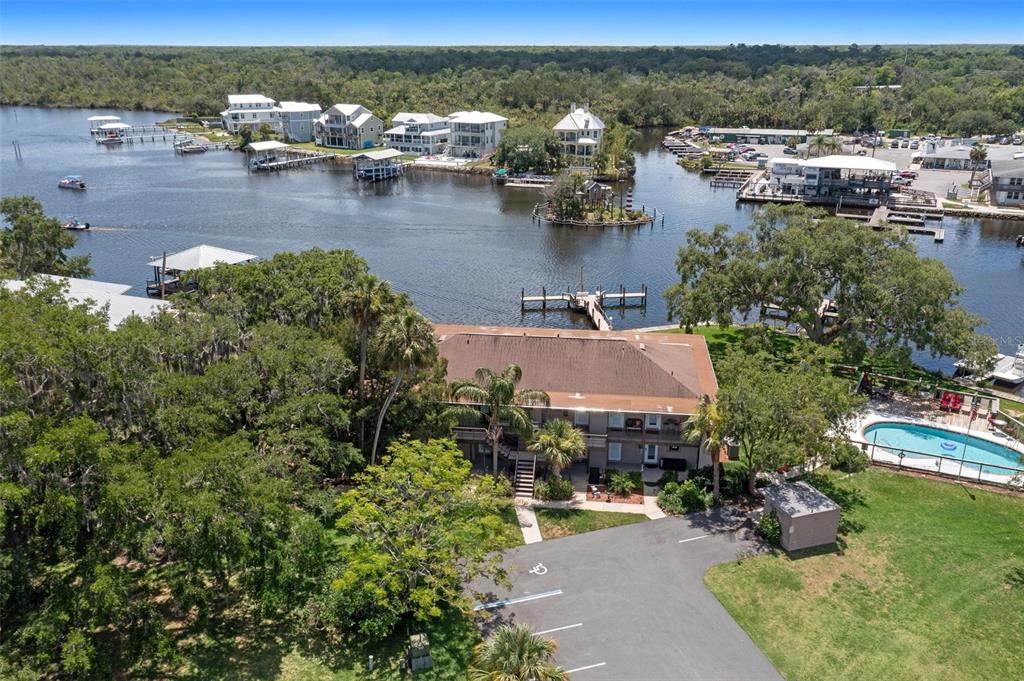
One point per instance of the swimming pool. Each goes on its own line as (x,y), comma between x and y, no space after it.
(921,442)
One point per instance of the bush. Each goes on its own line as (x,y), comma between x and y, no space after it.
(554,489)
(667,477)
(849,458)
(623,482)
(769,529)
(732,479)
(683,497)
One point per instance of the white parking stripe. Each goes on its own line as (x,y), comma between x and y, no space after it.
(580,669)
(551,631)
(519,599)
(683,541)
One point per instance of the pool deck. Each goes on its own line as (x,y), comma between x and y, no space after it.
(912,412)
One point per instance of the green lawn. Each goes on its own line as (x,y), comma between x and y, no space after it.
(929,585)
(563,522)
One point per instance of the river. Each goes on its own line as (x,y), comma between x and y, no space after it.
(461,247)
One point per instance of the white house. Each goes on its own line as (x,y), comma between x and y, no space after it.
(348,126)
(250,111)
(580,135)
(99,295)
(1008,183)
(297,120)
(418,133)
(475,134)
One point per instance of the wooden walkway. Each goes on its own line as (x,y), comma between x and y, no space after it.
(590,304)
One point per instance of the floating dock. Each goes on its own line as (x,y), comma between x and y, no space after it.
(914,223)
(591,304)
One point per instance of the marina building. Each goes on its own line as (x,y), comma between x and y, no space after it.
(829,180)
(250,111)
(630,393)
(348,126)
(475,134)
(297,120)
(949,158)
(1007,188)
(423,134)
(757,135)
(580,133)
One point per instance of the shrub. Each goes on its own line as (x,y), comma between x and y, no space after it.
(554,489)
(622,482)
(732,479)
(769,529)
(683,497)
(849,458)
(667,477)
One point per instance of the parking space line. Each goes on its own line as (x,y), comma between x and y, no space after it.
(551,631)
(518,599)
(683,541)
(581,669)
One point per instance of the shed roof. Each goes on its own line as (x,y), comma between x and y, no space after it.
(201,257)
(269,145)
(120,307)
(797,499)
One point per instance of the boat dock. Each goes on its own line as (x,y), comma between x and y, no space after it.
(914,223)
(276,156)
(591,304)
(728,177)
(535,182)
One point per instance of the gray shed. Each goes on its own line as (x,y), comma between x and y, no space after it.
(807,517)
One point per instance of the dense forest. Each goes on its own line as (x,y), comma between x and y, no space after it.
(947,89)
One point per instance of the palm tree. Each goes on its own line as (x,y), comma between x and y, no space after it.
(514,653)
(498,393)
(824,144)
(366,303)
(409,339)
(708,425)
(978,155)
(561,441)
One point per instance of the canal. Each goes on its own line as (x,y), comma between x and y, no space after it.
(461,247)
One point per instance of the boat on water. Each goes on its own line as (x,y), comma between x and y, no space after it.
(1005,368)
(190,147)
(75,226)
(110,139)
(72,182)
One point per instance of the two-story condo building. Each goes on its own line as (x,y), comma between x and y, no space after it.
(475,134)
(423,134)
(348,126)
(250,111)
(631,393)
(297,120)
(580,135)
(1008,183)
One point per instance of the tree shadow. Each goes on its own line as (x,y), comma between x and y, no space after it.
(1015,578)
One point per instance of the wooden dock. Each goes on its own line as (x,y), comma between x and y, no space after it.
(590,304)
(728,177)
(914,223)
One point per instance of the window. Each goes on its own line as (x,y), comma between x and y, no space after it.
(581,418)
(615,451)
(616,420)
(653,422)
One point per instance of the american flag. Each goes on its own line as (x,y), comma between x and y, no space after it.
(974,412)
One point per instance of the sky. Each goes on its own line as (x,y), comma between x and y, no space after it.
(509,22)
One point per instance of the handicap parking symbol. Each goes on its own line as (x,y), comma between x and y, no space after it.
(539,569)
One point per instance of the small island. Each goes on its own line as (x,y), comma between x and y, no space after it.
(574,199)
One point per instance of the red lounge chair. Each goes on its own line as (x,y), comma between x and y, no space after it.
(946,399)
(955,404)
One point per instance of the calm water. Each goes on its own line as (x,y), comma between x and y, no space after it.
(461,247)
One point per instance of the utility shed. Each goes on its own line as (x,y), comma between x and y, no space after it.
(806,516)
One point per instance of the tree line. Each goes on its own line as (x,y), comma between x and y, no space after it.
(956,90)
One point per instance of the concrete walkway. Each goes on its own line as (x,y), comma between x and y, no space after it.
(528,524)
(648,508)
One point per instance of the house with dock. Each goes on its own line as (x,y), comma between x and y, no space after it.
(630,393)
(297,120)
(829,180)
(475,134)
(1007,186)
(348,126)
(579,133)
(422,134)
(250,111)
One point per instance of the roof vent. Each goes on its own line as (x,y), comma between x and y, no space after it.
(643,346)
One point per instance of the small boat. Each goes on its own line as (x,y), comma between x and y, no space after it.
(189,147)
(1005,368)
(110,139)
(75,226)
(72,182)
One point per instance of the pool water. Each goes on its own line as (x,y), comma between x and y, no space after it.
(918,442)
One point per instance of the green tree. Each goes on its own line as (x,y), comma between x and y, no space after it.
(794,257)
(423,527)
(792,142)
(822,145)
(32,243)
(978,156)
(514,653)
(707,429)
(500,401)
(528,148)
(266,132)
(366,303)
(245,132)
(561,442)
(565,197)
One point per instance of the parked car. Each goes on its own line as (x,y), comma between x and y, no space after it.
(914,144)
(1016,140)
(904,144)
(1004,140)
(789,151)
(895,144)
(909,173)
(902,182)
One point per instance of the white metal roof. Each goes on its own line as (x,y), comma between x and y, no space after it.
(298,107)
(408,117)
(797,499)
(249,99)
(379,154)
(712,130)
(849,163)
(346,109)
(101,293)
(585,141)
(104,118)
(269,145)
(114,126)
(580,119)
(201,257)
(950,152)
(361,119)
(475,117)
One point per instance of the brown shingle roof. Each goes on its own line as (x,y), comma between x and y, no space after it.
(611,370)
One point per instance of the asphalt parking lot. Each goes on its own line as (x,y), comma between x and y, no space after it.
(629,603)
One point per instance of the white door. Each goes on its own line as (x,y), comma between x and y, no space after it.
(651,454)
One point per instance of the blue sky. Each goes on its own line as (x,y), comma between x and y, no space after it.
(508,22)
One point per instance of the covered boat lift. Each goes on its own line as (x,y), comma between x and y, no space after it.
(378,164)
(169,270)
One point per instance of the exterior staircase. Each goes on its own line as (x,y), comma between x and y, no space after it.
(525,469)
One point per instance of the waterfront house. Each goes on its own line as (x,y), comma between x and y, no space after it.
(832,180)
(1007,188)
(475,134)
(579,133)
(297,120)
(250,111)
(630,393)
(422,134)
(99,295)
(348,126)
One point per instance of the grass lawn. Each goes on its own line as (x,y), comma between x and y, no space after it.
(563,522)
(929,585)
